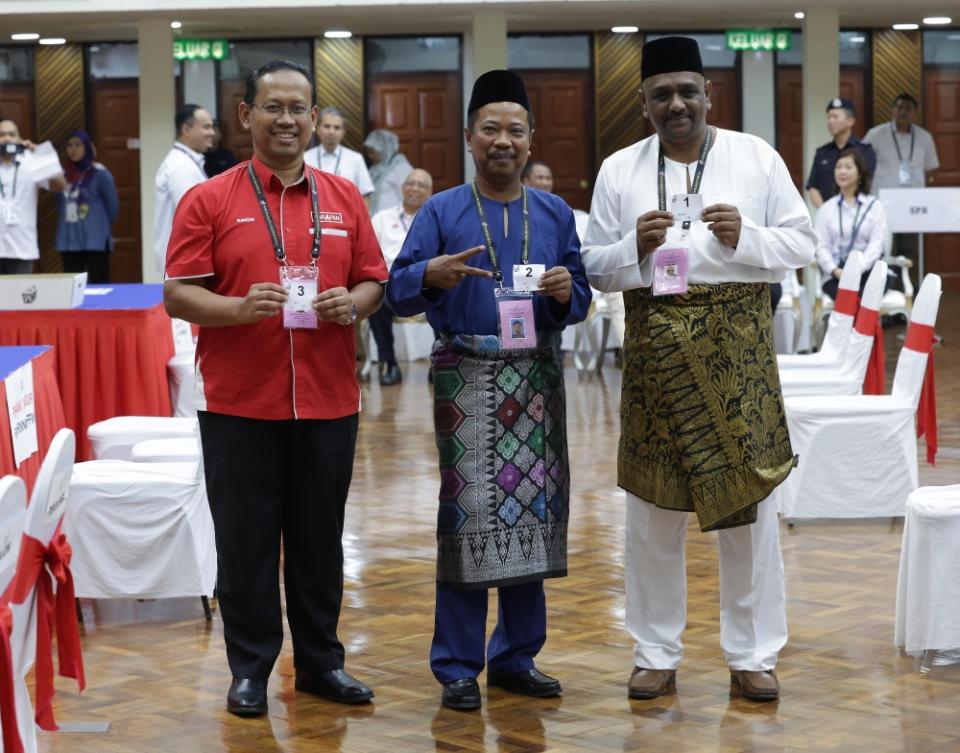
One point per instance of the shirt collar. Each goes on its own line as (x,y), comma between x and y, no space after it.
(271,181)
(334,153)
(195,156)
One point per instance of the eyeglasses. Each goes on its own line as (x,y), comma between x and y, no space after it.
(275,110)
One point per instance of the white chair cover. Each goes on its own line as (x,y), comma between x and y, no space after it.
(176,450)
(140,530)
(788,318)
(183,341)
(181,378)
(839,324)
(114,438)
(858,454)
(13,510)
(928,586)
(847,377)
(46,510)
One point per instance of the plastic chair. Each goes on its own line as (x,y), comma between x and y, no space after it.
(114,438)
(858,454)
(174,450)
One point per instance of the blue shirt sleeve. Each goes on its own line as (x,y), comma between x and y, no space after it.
(108,192)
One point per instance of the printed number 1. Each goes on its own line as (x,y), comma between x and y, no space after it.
(687,200)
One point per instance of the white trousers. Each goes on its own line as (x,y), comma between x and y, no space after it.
(753,617)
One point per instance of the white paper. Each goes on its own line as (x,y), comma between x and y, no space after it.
(526,277)
(22,412)
(43,162)
(686,207)
(97,291)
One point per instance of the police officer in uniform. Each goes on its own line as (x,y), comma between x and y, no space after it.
(841,117)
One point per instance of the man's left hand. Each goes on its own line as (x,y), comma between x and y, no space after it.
(29,145)
(557,283)
(724,221)
(334,305)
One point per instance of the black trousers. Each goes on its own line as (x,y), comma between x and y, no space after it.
(832,285)
(16,266)
(381,327)
(95,263)
(267,479)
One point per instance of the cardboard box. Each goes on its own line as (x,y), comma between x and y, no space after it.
(25,292)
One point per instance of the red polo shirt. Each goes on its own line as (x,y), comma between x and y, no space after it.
(263,370)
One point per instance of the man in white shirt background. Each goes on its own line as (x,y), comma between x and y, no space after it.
(391,226)
(906,158)
(332,157)
(19,191)
(180,171)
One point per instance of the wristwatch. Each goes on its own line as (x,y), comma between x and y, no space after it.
(354,313)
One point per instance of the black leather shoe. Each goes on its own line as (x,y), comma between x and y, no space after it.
(335,685)
(530,682)
(462,694)
(247,697)
(391,375)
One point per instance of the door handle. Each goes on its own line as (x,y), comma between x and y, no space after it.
(584,183)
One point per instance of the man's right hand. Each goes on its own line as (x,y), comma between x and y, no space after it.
(652,232)
(264,299)
(449,270)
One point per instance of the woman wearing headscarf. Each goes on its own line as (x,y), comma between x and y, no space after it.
(87,210)
(389,169)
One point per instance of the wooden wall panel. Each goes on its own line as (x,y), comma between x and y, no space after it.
(617,69)
(338,71)
(60,111)
(897,68)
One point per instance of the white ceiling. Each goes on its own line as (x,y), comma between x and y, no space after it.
(101,20)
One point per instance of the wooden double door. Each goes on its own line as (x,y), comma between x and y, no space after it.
(941,116)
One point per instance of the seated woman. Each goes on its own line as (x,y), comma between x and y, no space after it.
(851,220)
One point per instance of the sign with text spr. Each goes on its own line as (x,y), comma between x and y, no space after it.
(201,49)
(759,39)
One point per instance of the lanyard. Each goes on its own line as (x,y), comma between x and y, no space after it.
(896,143)
(856,225)
(697,176)
(324,152)
(403,221)
(272,228)
(13,188)
(491,250)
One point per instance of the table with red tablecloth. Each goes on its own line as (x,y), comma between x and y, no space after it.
(111,353)
(48,406)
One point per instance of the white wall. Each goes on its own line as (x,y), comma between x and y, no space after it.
(759,95)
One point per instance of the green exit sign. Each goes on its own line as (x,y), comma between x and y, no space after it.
(201,49)
(759,39)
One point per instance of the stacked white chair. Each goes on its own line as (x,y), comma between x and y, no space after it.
(839,325)
(788,317)
(48,503)
(181,375)
(173,450)
(858,454)
(13,509)
(847,378)
(141,530)
(928,585)
(114,438)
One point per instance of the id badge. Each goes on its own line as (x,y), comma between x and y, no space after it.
(686,207)
(301,286)
(70,213)
(515,319)
(903,174)
(670,271)
(526,277)
(11,215)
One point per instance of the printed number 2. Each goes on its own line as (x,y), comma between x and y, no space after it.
(529,272)
(300,291)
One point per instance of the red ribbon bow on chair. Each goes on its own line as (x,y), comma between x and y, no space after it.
(868,322)
(920,339)
(8,706)
(52,611)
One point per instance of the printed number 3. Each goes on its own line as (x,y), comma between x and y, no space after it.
(300,291)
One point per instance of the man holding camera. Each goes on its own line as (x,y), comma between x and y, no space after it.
(18,202)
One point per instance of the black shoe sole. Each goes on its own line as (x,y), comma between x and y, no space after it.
(457,705)
(248,710)
(553,692)
(348,700)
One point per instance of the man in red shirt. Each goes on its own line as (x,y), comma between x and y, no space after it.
(276,261)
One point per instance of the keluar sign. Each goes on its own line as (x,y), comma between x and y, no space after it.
(201,49)
(759,39)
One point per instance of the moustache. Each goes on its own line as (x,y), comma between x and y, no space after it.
(502,155)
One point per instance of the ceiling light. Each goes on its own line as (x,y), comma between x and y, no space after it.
(24,37)
(715,47)
(53,40)
(858,40)
(176,25)
(624,29)
(906,27)
(799,15)
(954,37)
(937,20)
(338,34)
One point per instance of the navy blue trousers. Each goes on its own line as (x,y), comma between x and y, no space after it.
(460,631)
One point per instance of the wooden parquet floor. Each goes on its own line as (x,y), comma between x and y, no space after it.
(157,671)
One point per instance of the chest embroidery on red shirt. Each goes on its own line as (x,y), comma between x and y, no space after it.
(331,217)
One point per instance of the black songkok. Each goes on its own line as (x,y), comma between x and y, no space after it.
(670,55)
(498,86)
